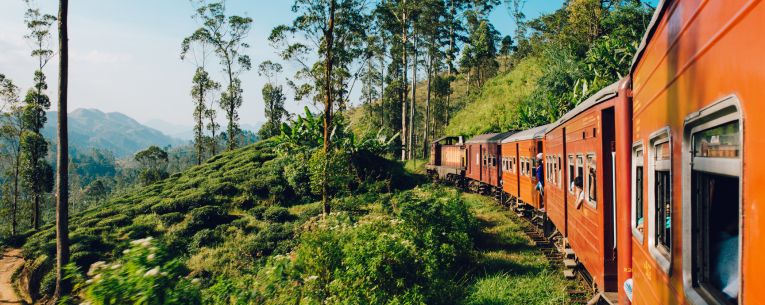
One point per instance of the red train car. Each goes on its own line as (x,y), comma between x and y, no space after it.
(584,139)
(447,159)
(523,147)
(698,216)
(483,153)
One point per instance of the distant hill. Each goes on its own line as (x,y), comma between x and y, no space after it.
(114,131)
(186,132)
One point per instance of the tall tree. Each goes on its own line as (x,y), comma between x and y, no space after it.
(198,46)
(62,159)
(273,99)
(212,125)
(227,35)
(333,30)
(11,130)
(37,173)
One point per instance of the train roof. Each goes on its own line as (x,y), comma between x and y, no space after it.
(449,140)
(658,13)
(490,137)
(603,95)
(528,134)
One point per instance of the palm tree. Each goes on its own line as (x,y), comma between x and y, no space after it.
(62,159)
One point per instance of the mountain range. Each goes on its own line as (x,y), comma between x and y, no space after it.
(114,131)
(186,132)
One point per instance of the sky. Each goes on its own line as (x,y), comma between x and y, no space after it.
(124,54)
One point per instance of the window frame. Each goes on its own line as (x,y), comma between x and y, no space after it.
(637,161)
(592,202)
(725,110)
(560,167)
(661,136)
(571,172)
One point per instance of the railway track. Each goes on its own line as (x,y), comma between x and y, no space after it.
(580,289)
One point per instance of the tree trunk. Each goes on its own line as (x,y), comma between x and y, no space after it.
(200,124)
(412,104)
(36,212)
(62,162)
(404,30)
(329,38)
(425,144)
(453,13)
(382,80)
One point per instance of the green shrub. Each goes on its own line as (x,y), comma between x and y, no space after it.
(277,214)
(203,238)
(258,211)
(171,218)
(145,275)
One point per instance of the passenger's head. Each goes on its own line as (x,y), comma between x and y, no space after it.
(579,182)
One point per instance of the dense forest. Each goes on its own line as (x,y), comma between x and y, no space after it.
(321,210)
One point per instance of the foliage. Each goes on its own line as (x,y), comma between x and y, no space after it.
(404,256)
(154,162)
(227,35)
(144,275)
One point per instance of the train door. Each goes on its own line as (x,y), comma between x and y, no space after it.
(539,193)
(608,145)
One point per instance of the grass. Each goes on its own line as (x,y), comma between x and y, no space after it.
(509,270)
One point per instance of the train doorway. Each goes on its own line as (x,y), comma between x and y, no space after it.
(609,203)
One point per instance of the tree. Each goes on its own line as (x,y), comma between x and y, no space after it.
(62,160)
(336,39)
(210,114)
(37,173)
(198,45)
(273,99)
(227,35)
(153,161)
(11,130)
(506,46)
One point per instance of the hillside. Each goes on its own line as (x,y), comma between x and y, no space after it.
(236,230)
(113,131)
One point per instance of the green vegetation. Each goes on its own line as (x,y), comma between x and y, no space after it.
(238,230)
(509,270)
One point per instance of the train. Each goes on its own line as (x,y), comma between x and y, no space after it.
(651,184)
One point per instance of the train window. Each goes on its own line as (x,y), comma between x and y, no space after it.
(660,199)
(580,166)
(493,161)
(571,174)
(592,180)
(712,205)
(637,192)
(559,166)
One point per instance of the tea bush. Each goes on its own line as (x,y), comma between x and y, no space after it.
(144,275)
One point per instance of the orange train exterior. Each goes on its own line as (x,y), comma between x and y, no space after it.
(668,162)
(519,180)
(698,85)
(483,158)
(584,139)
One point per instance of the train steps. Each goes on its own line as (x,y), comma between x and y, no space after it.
(604,298)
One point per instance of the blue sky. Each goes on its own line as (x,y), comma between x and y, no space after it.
(125,54)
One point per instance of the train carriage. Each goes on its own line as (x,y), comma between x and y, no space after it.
(584,138)
(483,159)
(523,147)
(447,159)
(698,95)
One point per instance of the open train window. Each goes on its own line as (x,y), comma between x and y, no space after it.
(638,219)
(592,180)
(493,161)
(571,174)
(579,166)
(560,173)
(660,198)
(712,205)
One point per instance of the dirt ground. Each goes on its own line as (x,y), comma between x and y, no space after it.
(9,261)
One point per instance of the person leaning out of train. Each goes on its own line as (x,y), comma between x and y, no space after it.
(540,175)
(578,185)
